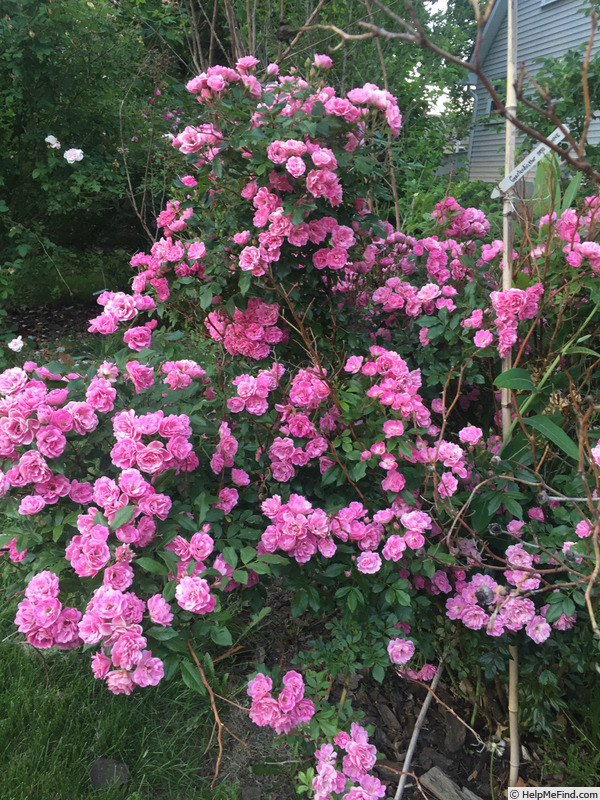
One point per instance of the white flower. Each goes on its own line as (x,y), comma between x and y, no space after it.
(73,155)
(16,344)
(52,142)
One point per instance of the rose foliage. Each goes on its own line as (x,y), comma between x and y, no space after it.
(299,393)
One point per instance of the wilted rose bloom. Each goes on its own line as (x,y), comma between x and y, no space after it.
(52,142)
(73,155)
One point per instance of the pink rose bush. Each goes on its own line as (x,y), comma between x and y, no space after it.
(322,409)
(352,781)
(288,711)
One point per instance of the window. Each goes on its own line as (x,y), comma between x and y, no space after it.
(491,109)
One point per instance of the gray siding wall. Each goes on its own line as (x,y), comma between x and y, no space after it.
(543,30)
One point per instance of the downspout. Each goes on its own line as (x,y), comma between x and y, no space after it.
(475,96)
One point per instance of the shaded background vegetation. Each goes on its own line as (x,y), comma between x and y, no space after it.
(107,77)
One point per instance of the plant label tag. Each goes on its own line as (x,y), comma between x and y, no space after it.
(528,162)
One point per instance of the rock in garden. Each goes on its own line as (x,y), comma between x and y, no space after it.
(106,772)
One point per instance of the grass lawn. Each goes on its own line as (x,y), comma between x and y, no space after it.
(56,720)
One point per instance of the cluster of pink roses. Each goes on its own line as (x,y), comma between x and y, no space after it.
(174,219)
(42,617)
(289,710)
(463,223)
(398,386)
(252,392)
(571,227)
(511,306)
(285,455)
(210,85)
(192,555)
(359,759)
(29,414)
(180,375)
(225,451)
(192,140)
(251,333)
(296,528)
(301,530)
(113,617)
(506,610)
(154,457)
(119,307)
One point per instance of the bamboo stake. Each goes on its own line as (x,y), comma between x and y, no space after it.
(507,277)
(415,734)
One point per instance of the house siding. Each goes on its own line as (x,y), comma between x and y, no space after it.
(542,30)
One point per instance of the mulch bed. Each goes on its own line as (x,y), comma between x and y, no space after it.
(49,325)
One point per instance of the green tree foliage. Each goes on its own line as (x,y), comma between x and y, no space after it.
(76,71)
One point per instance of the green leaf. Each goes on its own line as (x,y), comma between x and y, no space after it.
(571,191)
(273,558)
(191,677)
(122,517)
(163,480)
(585,351)
(556,598)
(221,636)
(168,591)
(259,567)
(554,434)
(516,378)
(100,519)
(230,556)
(240,575)
(515,446)
(150,565)
(513,506)
(359,470)
(244,282)
(247,554)
(162,634)
(378,673)
(299,603)
(546,676)
(402,598)
(554,613)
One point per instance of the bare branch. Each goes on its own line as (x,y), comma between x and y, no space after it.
(414,33)
(304,27)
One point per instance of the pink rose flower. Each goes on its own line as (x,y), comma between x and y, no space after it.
(368,563)
(193,594)
(322,62)
(483,338)
(400,650)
